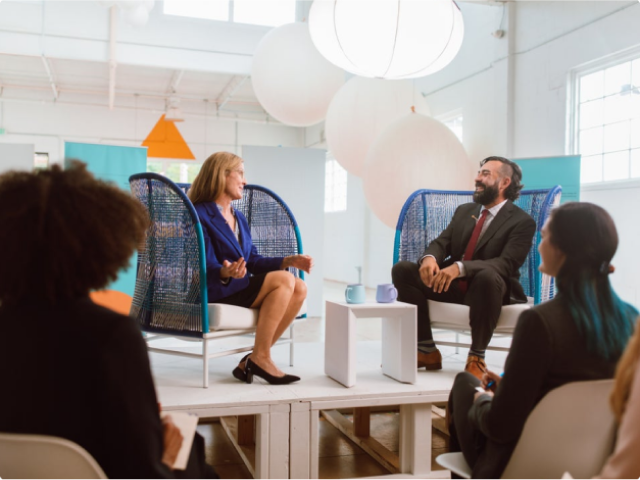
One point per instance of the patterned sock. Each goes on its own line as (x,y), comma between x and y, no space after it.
(477,353)
(427,346)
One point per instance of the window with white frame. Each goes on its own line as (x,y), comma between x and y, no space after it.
(607,121)
(179,172)
(335,186)
(454,121)
(272,13)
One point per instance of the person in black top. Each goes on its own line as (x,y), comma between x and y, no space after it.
(579,335)
(68,367)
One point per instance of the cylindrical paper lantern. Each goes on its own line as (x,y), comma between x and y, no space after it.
(387,39)
(361,110)
(137,17)
(412,153)
(291,80)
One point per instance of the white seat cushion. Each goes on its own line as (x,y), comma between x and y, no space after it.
(231,317)
(452,316)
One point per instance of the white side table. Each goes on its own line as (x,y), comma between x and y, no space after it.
(399,340)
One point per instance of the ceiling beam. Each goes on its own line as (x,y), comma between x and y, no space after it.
(113,62)
(227,92)
(52,79)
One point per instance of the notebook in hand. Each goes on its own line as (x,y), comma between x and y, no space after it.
(186,423)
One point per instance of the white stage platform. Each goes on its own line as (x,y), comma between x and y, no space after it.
(287,415)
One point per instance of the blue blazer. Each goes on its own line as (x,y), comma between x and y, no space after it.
(220,244)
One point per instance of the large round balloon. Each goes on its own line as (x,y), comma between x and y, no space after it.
(291,80)
(412,153)
(361,110)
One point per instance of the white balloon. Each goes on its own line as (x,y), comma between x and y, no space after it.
(126,5)
(291,80)
(412,153)
(361,110)
(107,3)
(386,39)
(137,18)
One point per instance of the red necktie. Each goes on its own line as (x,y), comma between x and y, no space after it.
(471,246)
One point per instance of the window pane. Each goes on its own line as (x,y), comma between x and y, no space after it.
(592,86)
(616,137)
(616,77)
(40,160)
(264,12)
(591,141)
(591,114)
(635,163)
(635,72)
(455,125)
(173,172)
(635,133)
(591,169)
(155,167)
(616,165)
(617,108)
(209,9)
(193,172)
(335,195)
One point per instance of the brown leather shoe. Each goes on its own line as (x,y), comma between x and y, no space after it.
(476,366)
(431,361)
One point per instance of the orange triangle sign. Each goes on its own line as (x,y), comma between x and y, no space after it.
(165,141)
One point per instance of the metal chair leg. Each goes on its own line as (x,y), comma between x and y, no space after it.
(205,364)
(291,336)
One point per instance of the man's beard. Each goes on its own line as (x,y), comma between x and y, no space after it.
(487,195)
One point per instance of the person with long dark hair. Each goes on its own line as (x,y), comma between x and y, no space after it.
(68,367)
(579,335)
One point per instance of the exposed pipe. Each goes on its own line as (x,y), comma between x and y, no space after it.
(52,81)
(113,24)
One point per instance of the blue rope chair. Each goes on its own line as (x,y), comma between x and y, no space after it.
(170,296)
(426,213)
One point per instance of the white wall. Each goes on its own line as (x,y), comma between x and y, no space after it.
(297,176)
(48,125)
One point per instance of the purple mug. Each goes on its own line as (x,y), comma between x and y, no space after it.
(386,293)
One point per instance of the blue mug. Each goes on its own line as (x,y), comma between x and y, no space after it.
(355,293)
(386,293)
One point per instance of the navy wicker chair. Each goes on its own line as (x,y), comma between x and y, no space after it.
(426,213)
(170,297)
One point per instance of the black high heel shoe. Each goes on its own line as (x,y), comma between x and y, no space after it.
(252,369)
(238,372)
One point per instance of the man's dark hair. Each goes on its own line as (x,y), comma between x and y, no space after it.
(511,170)
(64,233)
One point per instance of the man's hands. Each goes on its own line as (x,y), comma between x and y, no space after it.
(172,440)
(436,279)
(490,382)
(301,262)
(237,269)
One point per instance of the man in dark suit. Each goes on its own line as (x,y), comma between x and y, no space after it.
(475,261)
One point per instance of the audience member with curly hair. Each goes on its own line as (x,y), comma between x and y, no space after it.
(68,367)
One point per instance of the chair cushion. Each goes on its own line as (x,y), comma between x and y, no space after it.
(452,316)
(231,317)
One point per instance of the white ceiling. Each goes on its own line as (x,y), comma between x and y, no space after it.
(21,73)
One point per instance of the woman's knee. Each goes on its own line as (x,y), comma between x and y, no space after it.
(300,289)
(282,279)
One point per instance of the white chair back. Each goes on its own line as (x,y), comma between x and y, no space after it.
(571,430)
(40,456)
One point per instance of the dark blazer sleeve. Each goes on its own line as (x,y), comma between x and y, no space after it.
(502,418)
(134,440)
(440,248)
(513,254)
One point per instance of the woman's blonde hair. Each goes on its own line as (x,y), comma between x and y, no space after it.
(212,179)
(624,375)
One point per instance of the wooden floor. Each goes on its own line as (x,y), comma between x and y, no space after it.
(339,457)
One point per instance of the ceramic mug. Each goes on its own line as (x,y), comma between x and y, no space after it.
(386,293)
(355,293)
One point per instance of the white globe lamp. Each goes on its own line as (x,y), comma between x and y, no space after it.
(361,110)
(412,153)
(387,38)
(291,80)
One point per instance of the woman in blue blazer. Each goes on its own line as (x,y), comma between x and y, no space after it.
(231,254)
